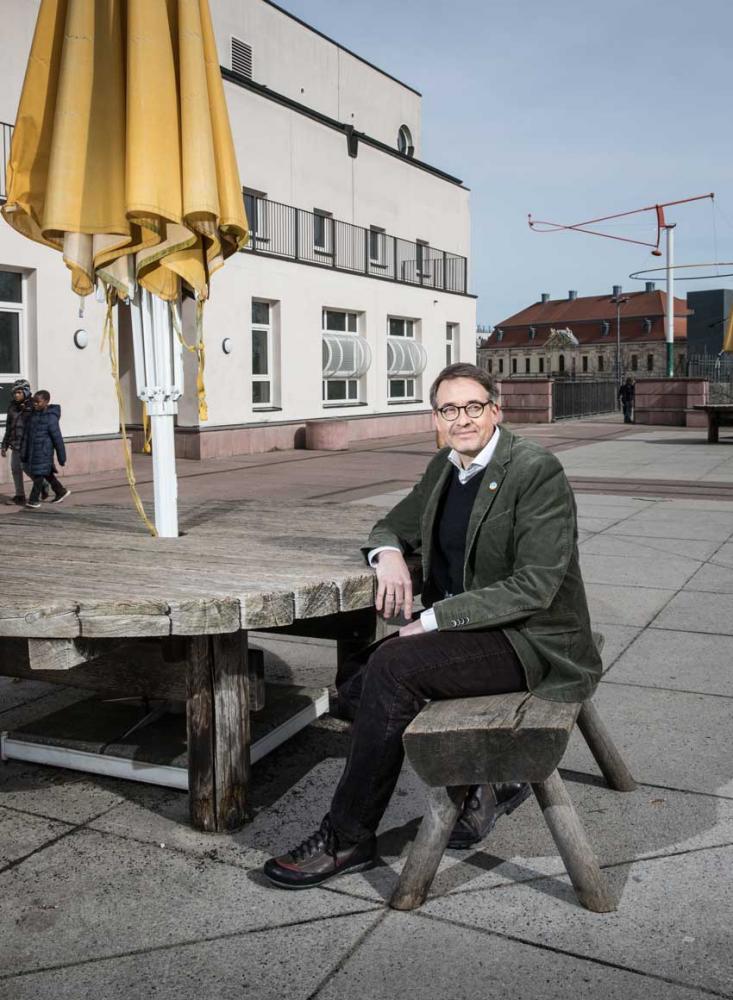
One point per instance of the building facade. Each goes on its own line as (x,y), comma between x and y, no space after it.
(600,324)
(351,296)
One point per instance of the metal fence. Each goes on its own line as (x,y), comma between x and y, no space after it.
(285,231)
(583,397)
(719,373)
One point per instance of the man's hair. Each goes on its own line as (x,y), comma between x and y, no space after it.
(461,369)
(43,394)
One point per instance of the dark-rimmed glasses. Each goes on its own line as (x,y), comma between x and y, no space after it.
(473,410)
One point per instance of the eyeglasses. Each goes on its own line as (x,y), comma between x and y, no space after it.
(473,409)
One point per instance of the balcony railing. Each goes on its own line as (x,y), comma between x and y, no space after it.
(6,133)
(295,234)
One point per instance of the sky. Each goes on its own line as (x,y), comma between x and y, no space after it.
(568,110)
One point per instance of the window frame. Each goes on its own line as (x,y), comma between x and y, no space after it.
(18,309)
(452,340)
(259,231)
(329,233)
(268,378)
(352,387)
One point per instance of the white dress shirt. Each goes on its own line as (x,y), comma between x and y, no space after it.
(464,475)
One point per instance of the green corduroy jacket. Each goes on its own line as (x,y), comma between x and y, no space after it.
(521,572)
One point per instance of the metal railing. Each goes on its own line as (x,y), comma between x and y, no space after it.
(718,370)
(583,397)
(296,234)
(6,134)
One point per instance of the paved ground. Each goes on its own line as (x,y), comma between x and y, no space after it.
(106,892)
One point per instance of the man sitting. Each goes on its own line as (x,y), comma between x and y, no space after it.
(494,520)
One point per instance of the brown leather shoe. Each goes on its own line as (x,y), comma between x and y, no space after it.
(483,806)
(319,858)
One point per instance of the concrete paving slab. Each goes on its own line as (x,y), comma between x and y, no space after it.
(415,958)
(694,549)
(85,896)
(262,965)
(689,611)
(629,570)
(595,524)
(615,605)
(682,661)
(20,834)
(668,738)
(55,793)
(589,502)
(724,555)
(27,710)
(685,939)
(712,579)
(617,638)
(14,692)
(714,526)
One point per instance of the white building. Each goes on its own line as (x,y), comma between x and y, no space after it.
(351,297)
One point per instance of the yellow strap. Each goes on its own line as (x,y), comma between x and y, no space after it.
(109,336)
(147,432)
(199,349)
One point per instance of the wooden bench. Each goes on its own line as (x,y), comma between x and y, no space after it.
(719,415)
(513,737)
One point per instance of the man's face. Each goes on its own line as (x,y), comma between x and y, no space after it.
(18,395)
(467,435)
(39,403)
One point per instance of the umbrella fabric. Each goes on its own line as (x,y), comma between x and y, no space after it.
(728,337)
(122,155)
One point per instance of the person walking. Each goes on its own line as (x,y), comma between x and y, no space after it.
(19,411)
(43,438)
(626,394)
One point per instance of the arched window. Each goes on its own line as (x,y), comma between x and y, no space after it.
(561,364)
(404,141)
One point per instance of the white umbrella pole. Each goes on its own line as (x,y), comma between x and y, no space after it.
(159,382)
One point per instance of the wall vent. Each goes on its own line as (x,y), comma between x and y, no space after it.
(241,58)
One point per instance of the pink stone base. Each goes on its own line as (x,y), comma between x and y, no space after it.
(223,442)
(84,456)
(696,418)
(327,435)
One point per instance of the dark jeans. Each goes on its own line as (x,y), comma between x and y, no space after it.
(40,481)
(390,683)
(628,407)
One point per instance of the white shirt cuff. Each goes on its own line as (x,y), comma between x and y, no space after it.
(428,620)
(371,558)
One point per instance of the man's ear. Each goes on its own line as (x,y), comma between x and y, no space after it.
(439,436)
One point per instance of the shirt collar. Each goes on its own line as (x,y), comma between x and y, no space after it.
(481,460)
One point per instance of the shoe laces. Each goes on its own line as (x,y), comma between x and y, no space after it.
(324,839)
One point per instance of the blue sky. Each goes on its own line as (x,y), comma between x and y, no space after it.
(568,110)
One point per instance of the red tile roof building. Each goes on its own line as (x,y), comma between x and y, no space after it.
(517,344)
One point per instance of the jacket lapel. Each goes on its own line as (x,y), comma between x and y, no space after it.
(495,473)
(429,514)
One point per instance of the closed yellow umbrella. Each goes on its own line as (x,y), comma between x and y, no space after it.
(122,146)
(728,336)
(122,158)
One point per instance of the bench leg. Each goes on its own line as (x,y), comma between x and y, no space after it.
(712,428)
(573,844)
(441,813)
(600,744)
(218,731)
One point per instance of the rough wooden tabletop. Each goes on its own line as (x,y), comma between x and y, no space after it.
(93,571)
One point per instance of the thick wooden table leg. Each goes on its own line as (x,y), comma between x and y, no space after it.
(713,426)
(218,731)
(256,673)
(600,744)
(443,807)
(572,842)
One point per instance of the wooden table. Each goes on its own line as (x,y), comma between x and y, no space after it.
(77,584)
(719,415)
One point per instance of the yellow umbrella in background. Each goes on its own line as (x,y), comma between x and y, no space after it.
(122,158)
(728,336)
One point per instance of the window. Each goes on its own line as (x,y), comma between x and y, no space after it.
(256,208)
(11,334)
(647,325)
(527,365)
(404,141)
(406,359)
(499,335)
(345,357)
(490,366)
(501,366)
(264,355)
(634,362)
(650,362)
(584,363)
(241,57)
(605,328)
(542,366)
(600,362)
(532,333)
(451,342)
(322,231)
(514,366)
(422,258)
(561,364)
(377,247)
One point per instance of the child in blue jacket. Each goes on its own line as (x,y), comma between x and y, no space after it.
(42,439)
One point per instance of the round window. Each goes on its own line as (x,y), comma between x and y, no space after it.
(404,141)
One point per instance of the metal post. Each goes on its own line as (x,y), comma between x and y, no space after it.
(618,341)
(669,318)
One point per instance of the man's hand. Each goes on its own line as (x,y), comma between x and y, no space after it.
(3,452)
(394,586)
(414,628)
